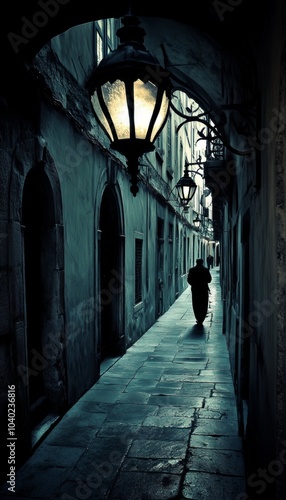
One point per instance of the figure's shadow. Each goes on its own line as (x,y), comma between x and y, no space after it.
(196,332)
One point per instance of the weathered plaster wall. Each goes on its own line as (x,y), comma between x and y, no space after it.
(16,158)
(261,188)
(264,343)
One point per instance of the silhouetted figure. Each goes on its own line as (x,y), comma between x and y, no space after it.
(210,261)
(199,277)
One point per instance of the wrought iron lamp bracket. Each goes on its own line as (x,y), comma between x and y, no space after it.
(193,172)
(210,133)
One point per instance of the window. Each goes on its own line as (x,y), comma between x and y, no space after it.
(100,24)
(138,270)
(99,47)
(184,262)
(170,253)
(109,30)
(105,37)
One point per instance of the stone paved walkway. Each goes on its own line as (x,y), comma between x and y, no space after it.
(160,424)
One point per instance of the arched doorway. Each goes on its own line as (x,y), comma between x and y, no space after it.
(38,221)
(112,340)
(43,260)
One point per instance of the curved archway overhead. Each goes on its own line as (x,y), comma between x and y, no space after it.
(200,63)
(219,80)
(26,26)
(29,24)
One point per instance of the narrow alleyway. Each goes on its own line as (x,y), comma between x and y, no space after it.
(160,423)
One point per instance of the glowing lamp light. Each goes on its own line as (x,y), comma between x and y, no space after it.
(186,188)
(197,221)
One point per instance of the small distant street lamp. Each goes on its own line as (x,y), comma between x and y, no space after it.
(186,186)
(197,221)
(130,95)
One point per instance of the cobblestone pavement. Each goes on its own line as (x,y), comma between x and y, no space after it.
(160,423)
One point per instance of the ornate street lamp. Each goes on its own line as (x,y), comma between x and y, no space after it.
(130,95)
(197,221)
(186,186)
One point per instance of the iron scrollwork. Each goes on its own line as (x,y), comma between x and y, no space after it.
(214,135)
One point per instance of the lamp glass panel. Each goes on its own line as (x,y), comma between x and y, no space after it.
(116,101)
(186,193)
(114,95)
(145,95)
(100,115)
(183,194)
(161,116)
